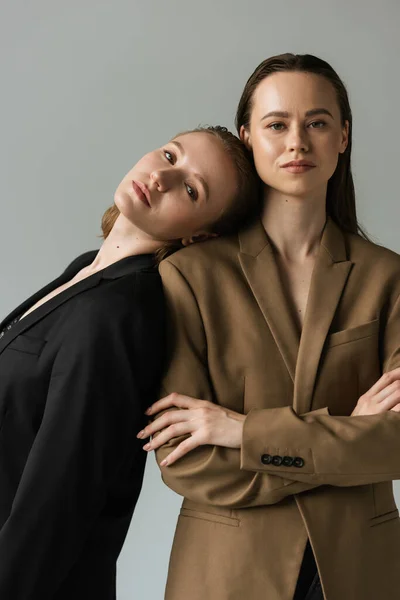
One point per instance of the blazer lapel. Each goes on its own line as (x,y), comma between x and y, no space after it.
(47,307)
(259,266)
(328,280)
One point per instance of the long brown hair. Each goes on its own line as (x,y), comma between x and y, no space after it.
(244,205)
(340,198)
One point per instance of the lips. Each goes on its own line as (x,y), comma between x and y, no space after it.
(141,192)
(298,166)
(299,163)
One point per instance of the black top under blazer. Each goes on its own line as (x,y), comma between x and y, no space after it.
(76,375)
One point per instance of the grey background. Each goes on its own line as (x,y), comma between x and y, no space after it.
(88,86)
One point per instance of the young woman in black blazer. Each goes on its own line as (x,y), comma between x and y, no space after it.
(81,360)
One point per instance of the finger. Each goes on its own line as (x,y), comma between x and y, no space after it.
(174,399)
(391,400)
(168,434)
(390,391)
(173,416)
(396,408)
(384,381)
(180,451)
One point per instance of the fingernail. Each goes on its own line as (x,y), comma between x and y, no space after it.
(146,447)
(140,434)
(164,462)
(148,411)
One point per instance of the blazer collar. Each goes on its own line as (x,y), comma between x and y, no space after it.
(130,264)
(125,266)
(329,278)
(301,354)
(253,239)
(259,266)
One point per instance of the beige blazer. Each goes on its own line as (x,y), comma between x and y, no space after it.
(306,468)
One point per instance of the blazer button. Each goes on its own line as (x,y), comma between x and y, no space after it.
(266,459)
(298,462)
(277,460)
(287,461)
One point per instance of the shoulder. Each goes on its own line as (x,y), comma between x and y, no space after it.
(128,304)
(201,257)
(81,261)
(373,257)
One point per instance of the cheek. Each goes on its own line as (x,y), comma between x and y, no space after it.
(147,162)
(140,171)
(265,149)
(146,165)
(330,151)
(123,201)
(174,218)
(265,154)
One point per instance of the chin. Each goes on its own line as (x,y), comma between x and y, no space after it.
(301,188)
(301,192)
(124,203)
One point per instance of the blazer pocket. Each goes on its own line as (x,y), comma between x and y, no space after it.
(208,516)
(355,333)
(389,516)
(27,344)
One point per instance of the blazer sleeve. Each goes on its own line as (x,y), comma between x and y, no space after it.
(208,474)
(89,423)
(341,451)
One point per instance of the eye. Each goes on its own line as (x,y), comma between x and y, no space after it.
(192,193)
(276,126)
(317,124)
(169,156)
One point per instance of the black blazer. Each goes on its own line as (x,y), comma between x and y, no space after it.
(76,375)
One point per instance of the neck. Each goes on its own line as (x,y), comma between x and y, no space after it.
(123,240)
(294,224)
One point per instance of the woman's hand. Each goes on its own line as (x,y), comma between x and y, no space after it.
(384,395)
(205,422)
(208,423)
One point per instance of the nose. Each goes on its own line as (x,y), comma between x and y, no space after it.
(161,179)
(297,140)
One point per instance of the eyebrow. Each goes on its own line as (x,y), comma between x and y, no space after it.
(309,113)
(196,175)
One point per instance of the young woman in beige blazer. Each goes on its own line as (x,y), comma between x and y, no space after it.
(290,331)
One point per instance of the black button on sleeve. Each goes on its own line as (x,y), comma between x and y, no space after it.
(298,462)
(277,460)
(266,459)
(288,461)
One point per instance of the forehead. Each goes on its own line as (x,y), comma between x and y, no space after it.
(205,155)
(295,92)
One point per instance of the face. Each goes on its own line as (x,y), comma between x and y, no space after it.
(296,133)
(179,190)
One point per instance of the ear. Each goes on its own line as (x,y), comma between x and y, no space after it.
(202,236)
(345,138)
(245,137)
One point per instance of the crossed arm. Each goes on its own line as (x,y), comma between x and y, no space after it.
(208,423)
(220,451)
